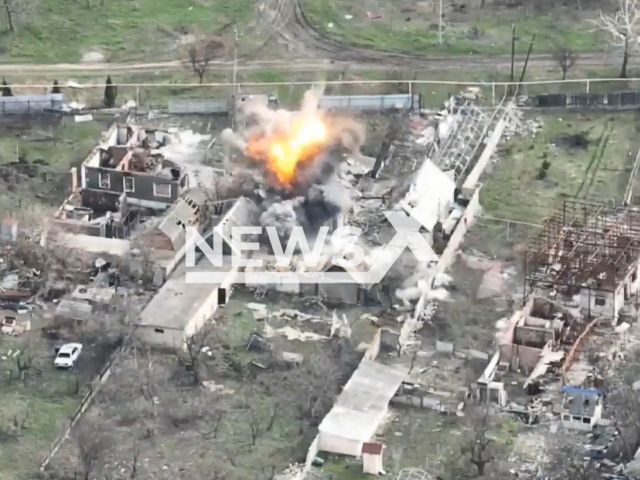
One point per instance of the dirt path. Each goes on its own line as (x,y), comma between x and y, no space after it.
(309,51)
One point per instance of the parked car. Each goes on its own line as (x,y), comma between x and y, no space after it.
(67,355)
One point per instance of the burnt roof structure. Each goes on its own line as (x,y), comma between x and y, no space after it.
(584,245)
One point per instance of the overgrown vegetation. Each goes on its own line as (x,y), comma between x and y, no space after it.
(63,31)
(471,27)
(215,410)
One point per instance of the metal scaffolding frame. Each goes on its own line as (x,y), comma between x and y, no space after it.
(458,151)
(584,245)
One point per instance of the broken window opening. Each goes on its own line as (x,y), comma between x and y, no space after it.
(586,420)
(600,302)
(162,190)
(104,181)
(129,184)
(158,330)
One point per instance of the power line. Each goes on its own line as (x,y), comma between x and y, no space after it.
(331,82)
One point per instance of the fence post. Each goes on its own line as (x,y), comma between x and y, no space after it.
(493,94)
(410,89)
(588,86)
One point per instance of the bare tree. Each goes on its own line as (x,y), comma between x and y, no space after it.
(92,442)
(201,52)
(623,28)
(194,345)
(14,11)
(479,449)
(566,461)
(262,418)
(19,422)
(256,424)
(565,58)
(624,405)
(135,453)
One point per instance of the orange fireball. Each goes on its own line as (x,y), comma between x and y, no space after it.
(283,154)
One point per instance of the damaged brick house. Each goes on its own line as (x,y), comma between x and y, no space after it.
(588,254)
(581,409)
(580,271)
(540,323)
(129,161)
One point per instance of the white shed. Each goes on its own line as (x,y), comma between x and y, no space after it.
(360,408)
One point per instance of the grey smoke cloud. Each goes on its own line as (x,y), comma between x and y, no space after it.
(343,132)
(316,196)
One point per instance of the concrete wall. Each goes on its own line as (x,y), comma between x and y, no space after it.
(449,255)
(312,453)
(532,336)
(209,306)
(520,356)
(341,446)
(601,304)
(338,293)
(474,176)
(161,337)
(446,259)
(25,104)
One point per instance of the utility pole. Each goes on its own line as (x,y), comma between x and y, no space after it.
(234,91)
(513,47)
(526,61)
(235,57)
(440,25)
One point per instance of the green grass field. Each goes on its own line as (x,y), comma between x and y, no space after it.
(410,27)
(513,189)
(63,30)
(46,406)
(599,170)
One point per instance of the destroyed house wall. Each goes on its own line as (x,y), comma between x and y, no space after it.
(457,237)
(78,226)
(597,246)
(607,305)
(339,293)
(520,356)
(146,188)
(533,336)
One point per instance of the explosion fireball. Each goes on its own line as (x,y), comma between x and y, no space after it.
(284,151)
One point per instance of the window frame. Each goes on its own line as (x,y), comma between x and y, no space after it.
(101,177)
(155,190)
(124,184)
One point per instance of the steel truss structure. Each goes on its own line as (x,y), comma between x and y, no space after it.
(584,245)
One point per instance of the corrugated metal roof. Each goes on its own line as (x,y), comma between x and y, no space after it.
(363,402)
(31,103)
(197,106)
(371,102)
(189,210)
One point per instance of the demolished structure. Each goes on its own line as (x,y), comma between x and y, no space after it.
(588,253)
(581,277)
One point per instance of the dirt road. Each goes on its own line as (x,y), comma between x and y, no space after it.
(309,52)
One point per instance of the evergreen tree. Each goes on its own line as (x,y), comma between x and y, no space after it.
(6,90)
(56,87)
(110,93)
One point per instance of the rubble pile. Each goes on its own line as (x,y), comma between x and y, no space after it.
(519,126)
